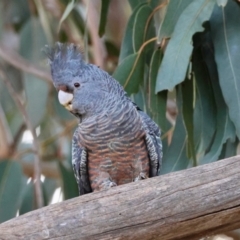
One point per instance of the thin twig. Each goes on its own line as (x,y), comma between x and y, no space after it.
(37,167)
(20,63)
(17,139)
(93,23)
(6,138)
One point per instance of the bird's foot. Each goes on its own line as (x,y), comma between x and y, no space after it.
(141,176)
(106,184)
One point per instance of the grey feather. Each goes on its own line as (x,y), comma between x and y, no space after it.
(79,163)
(153,142)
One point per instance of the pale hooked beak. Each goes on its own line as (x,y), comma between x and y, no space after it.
(65,99)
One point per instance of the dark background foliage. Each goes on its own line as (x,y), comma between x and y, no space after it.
(178,60)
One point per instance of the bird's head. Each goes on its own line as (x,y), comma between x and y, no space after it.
(81,87)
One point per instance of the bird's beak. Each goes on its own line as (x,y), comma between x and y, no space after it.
(65,99)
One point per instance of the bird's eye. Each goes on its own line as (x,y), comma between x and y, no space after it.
(77,84)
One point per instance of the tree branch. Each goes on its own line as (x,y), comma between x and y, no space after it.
(187,204)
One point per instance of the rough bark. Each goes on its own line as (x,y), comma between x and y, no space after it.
(182,205)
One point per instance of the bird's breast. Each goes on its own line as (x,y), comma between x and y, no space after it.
(116,150)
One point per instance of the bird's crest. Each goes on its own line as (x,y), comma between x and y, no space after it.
(65,59)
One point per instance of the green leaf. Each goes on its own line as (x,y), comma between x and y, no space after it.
(229,149)
(205,107)
(1,19)
(222,3)
(140,26)
(66,12)
(70,188)
(187,111)
(156,3)
(49,186)
(37,96)
(174,10)
(139,98)
(112,49)
(156,102)
(10,185)
(12,114)
(175,158)
(224,127)
(225,130)
(32,39)
(18,12)
(28,202)
(176,58)
(103,17)
(43,17)
(136,3)
(127,43)
(77,18)
(36,90)
(130,72)
(225,32)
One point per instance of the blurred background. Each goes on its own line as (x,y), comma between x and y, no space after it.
(178,62)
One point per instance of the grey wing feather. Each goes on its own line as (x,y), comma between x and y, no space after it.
(153,142)
(79,162)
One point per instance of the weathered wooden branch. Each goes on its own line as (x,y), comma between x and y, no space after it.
(182,205)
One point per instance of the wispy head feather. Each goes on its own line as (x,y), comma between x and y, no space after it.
(66,60)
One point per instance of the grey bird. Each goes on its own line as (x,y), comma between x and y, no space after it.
(115,142)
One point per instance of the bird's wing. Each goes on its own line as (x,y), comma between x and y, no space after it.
(153,142)
(79,162)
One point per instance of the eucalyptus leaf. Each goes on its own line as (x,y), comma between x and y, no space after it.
(187,110)
(37,96)
(174,11)
(103,17)
(130,72)
(1,20)
(224,127)
(136,3)
(70,188)
(222,3)
(28,202)
(157,3)
(11,184)
(66,12)
(205,106)
(36,90)
(127,42)
(176,58)
(142,23)
(225,130)
(12,114)
(176,156)
(229,149)
(32,39)
(43,17)
(225,33)
(18,12)
(49,186)
(139,98)
(156,102)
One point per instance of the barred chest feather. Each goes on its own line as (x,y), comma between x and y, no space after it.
(116,149)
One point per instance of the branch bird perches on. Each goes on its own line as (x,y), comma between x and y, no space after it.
(187,204)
